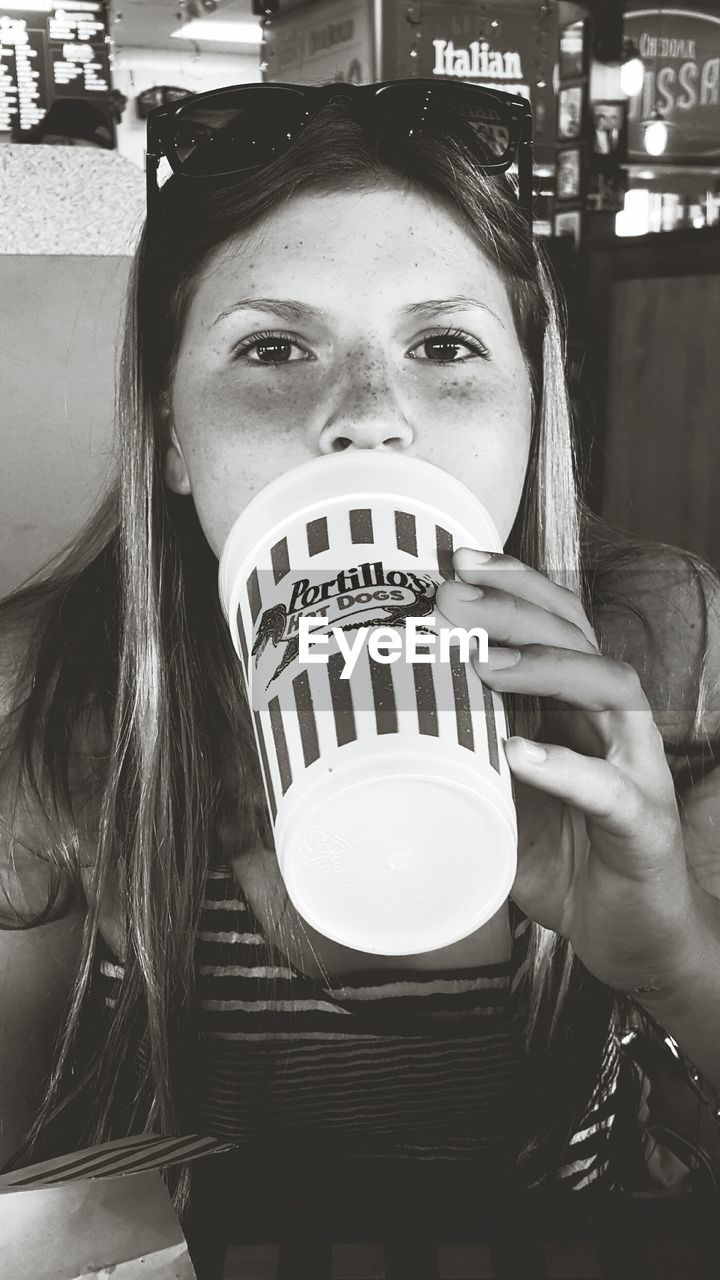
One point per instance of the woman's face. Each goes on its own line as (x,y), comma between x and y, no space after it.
(355,320)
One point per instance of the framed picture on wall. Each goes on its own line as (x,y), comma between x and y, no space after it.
(568,222)
(606,192)
(570,105)
(572,50)
(609,129)
(569,174)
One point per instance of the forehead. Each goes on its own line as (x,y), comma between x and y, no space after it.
(379,242)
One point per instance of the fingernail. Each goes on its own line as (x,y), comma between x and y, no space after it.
(499,658)
(465,590)
(532,751)
(477,557)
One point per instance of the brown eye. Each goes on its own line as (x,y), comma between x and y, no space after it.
(449,347)
(270,349)
(276,352)
(443,349)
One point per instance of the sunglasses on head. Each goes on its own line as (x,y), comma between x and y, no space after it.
(237,129)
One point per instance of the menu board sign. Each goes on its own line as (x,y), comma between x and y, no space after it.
(58,53)
(8,86)
(30,77)
(81,26)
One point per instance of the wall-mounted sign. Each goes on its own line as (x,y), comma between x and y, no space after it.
(477,61)
(315,43)
(363,40)
(8,84)
(456,38)
(681,52)
(49,55)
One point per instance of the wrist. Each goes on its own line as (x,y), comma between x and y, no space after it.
(695,961)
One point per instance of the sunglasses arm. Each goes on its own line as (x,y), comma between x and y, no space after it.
(525,178)
(151,167)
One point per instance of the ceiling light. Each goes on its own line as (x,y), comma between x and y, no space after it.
(219,32)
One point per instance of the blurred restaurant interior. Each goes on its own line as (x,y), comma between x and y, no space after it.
(626,103)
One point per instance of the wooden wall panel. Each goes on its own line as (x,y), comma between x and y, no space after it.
(662,440)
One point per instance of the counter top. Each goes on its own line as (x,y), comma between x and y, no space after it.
(662,240)
(69,200)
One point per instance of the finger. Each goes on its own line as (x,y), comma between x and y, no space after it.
(606,794)
(508,619)
(609,692)
(484,568)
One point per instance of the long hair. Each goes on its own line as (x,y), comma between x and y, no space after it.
(128,644)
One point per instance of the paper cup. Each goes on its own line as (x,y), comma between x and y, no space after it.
(389,792)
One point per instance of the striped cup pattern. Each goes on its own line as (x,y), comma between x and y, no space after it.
(358,567)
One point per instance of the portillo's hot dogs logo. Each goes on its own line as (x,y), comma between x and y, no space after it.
(365,603)
(335,622)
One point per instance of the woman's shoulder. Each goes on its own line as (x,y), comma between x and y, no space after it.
(657,607)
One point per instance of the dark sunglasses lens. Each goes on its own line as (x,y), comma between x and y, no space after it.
(491,134)
(476,120)
(232,132)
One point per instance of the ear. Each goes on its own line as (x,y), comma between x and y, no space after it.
(175,471)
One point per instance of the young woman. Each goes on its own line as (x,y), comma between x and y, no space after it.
(358,275)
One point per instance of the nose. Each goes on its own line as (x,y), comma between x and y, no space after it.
(365,412)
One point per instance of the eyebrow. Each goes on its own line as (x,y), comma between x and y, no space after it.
(460,302)
(291,311)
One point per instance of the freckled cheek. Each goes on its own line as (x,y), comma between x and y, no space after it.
(482,402)
(510,409)
(458,391)
(233,409)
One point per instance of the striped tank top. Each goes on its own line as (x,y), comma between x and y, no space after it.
(413,1066)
